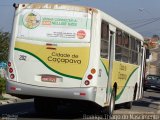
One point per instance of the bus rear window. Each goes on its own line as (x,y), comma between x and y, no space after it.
(49,25)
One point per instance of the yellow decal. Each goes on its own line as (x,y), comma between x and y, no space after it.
(121,73)
(106,64)
(71,61)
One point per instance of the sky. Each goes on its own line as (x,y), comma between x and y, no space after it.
(141,15)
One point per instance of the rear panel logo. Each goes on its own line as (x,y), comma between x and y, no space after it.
(31,20)
(81,34)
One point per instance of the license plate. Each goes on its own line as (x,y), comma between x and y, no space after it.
(48,79)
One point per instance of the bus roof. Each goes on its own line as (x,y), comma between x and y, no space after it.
(120,25)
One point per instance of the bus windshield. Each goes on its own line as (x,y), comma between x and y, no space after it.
(51,25)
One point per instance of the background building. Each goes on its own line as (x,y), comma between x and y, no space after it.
(153,62)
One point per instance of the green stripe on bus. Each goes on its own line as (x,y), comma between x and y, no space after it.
(65,75)
(119,95)
(107,72)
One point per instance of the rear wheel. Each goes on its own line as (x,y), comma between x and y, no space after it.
(109,109)
(128,105)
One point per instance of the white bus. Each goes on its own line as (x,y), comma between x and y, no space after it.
(74,53)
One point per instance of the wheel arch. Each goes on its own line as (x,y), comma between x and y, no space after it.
(115,86)
(135,91)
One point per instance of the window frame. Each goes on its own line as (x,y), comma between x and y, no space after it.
(104,39)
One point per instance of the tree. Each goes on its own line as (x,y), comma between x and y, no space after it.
(2,86)
(4,45)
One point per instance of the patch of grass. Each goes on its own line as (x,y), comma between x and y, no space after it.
(2,98)
(2,86)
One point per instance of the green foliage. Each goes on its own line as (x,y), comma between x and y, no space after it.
(2,85)
(3,98)
(4,45)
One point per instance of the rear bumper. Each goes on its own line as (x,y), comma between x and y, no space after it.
(68,93)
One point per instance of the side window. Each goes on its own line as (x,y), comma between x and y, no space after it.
(126,40)
(125,48)
(118,37)
(118,51)
(128,48)
(134,51)
(139,52)
(122,46)
(104,39)
(132,43)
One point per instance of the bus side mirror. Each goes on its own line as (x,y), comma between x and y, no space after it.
(147,53)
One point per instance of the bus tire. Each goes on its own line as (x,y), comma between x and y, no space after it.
(128,105)
(108,110)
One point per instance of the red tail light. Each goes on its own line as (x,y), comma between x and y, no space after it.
(10,70)
(87,82)
(12,76)
(90,77)
(9,64)
(13,88)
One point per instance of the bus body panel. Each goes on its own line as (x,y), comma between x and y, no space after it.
(51,46)
(125,75)
(57,61)
(67,64)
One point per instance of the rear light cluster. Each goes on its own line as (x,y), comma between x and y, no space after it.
(10,70)
(90,76)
